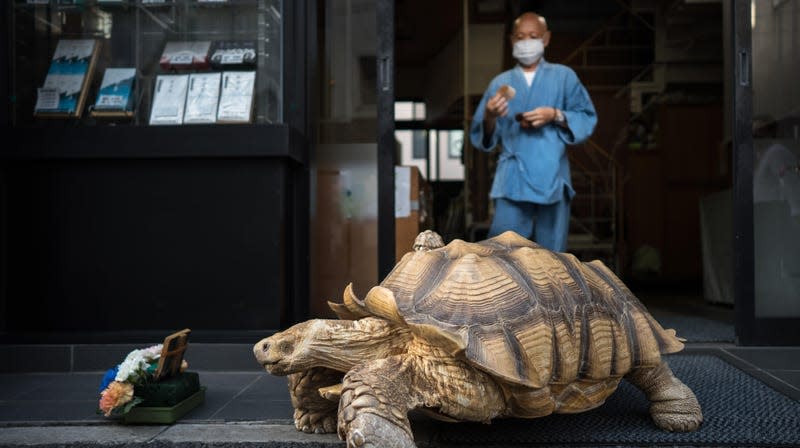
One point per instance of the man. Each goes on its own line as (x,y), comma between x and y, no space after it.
(532,186)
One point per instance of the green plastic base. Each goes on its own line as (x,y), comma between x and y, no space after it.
(168,392)
(165,415)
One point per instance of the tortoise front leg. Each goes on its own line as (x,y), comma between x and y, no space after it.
(673,405)
(312,412)
(374,405)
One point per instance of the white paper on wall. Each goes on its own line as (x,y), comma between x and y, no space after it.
(402,192)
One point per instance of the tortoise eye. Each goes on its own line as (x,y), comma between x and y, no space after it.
(285,347)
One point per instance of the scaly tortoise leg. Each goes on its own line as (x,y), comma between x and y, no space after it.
(374,405)
(673,405)
(312,412)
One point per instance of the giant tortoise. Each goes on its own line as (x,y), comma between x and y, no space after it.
(473,332)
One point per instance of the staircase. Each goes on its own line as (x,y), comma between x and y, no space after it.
(619,52)
(646,53)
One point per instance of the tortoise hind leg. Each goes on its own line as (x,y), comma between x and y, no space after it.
(673,405)
(374,405)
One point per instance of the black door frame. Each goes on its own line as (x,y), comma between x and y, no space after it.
(384,10)
(750,330)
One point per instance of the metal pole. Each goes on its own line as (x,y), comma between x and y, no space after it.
(466,145)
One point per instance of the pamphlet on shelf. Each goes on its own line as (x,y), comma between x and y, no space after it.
(169,99)
(66,84)
(236,99)
(116,93)
(38,2)
(228,54)
(185,54)
(202,98)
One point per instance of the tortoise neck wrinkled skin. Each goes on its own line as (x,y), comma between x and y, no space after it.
(334,344)
(340,345)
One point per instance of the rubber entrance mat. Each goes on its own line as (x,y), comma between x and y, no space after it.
(738,410)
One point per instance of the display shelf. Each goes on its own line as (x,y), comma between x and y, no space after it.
(176,218)
(156,142)
(132,33)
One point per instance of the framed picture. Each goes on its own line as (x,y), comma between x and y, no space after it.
(172,352)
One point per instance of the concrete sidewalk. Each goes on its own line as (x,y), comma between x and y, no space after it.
(252,408)
(210,434)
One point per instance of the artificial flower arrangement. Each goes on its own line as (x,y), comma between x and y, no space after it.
(118,385)
(152,385)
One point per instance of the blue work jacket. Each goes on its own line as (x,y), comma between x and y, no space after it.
(533,164)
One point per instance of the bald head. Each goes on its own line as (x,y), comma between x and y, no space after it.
(530,25)
(530,16)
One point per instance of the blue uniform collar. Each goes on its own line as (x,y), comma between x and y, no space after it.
(519,82)
(542,64)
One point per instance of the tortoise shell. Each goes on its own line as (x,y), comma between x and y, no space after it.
(520,312)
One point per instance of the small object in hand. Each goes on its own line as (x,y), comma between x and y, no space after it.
(519,116)
(507,92)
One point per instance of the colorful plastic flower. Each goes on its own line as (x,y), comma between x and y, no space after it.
(135,365)
(108,378)
(115,395)
(118,385)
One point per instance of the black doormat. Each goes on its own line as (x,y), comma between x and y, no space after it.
(738,411)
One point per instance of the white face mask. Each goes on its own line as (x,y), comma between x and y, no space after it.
(528,51)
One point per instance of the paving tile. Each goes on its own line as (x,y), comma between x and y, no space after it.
(13,385)
(228,382)
(222,357)
(256,410)
(66,386)
(221,389)
(52,410)
(268,387)
(221,435)
(110,435)
(100,357)
(214,401)
(35,358)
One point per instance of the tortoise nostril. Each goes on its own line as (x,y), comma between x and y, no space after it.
(265,347)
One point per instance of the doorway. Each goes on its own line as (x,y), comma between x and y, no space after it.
(649,177)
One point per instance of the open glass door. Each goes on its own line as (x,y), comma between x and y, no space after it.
(767,173)
(352,214)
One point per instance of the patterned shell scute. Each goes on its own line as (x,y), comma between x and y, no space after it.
(525,314)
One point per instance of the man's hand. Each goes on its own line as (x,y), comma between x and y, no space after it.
(537,117)
(497,106)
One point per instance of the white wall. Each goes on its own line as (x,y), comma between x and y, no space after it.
(405,140)
(449,168)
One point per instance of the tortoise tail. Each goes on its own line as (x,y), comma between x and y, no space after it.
(668,341)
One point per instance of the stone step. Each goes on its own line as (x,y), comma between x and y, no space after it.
(100,357)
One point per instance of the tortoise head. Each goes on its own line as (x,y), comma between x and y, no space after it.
(331,343)
(287,351)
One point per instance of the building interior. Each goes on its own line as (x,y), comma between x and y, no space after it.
(653,182)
